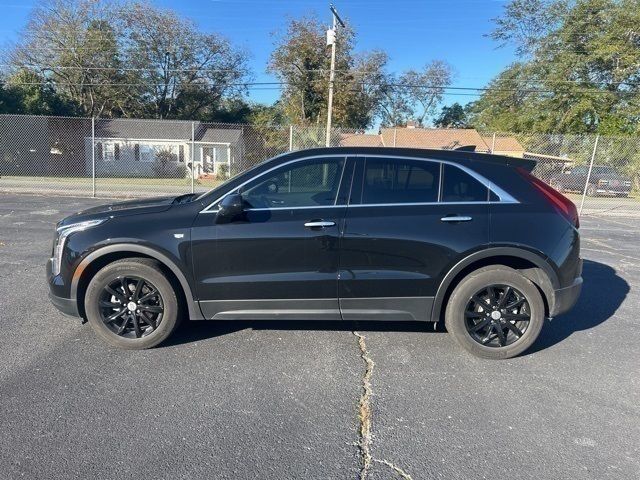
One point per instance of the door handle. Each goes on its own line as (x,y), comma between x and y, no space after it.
(319,224)
(456,218)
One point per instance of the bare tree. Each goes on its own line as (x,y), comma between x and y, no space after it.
(128,59)
(180,71)
(425,89)
(414,95)
(74,46)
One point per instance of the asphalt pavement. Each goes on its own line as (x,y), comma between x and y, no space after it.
(280,400)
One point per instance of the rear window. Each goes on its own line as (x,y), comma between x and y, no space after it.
(400,181)
(459,186)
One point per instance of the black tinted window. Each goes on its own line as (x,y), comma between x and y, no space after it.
(400,181)
(459,186)
(302,184)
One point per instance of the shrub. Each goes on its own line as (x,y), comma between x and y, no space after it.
(166,166)
(223,172)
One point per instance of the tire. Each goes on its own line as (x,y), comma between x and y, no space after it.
(158,316)
(591,190)
(464,314)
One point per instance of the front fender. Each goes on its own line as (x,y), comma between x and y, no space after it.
(194,310)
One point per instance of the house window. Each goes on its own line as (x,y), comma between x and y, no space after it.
(146,153)
(150,152)
(110,151)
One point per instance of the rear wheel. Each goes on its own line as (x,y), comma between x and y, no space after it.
(495,313)
(131,304)
(591,190)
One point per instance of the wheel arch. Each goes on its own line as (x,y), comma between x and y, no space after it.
(530,264)
(105,255)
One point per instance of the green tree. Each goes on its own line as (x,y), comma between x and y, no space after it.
(580,70)
(27,93)
(453,116)
(301,61)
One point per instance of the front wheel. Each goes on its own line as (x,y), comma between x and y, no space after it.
(591,190)
(495,313)
(131,304)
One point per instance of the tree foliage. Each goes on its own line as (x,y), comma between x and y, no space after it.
(26,93)
(415,94)
(453,116)
(128,59)
(581,73)
(301,60)
(364,91)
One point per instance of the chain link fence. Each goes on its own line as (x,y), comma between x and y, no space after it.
(134,158)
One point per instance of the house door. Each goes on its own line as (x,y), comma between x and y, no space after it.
(208,159)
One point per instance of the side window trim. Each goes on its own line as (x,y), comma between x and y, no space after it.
(440,181)
(358,170)
(503,196)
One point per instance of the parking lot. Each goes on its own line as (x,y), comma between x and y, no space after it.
(285,400)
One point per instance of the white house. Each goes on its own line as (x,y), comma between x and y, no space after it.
(155,148)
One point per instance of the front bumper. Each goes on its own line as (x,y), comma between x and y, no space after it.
(58,293)
(566,298)
(68,306)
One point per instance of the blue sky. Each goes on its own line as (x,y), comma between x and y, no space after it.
(411,32)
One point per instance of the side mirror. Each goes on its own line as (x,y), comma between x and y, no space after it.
(230,207)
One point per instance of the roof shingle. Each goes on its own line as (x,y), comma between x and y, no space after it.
(438,138)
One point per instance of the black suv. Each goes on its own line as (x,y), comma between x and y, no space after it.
(603,180)
(347,234)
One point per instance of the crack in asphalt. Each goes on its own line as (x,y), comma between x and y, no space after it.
(365,416)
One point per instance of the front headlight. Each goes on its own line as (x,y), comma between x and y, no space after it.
(63,233)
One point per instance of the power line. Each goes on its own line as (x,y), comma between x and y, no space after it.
(279,85)
(124,69)
(354,72)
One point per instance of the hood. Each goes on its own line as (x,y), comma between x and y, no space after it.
(121,209)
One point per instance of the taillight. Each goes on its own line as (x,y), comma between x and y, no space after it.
(561,203)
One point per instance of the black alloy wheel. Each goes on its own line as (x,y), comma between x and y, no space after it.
(497,316)
(131,307)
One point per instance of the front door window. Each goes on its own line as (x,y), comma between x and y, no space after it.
(308,183)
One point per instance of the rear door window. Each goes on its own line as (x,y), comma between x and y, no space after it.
(459,186)
(397,180)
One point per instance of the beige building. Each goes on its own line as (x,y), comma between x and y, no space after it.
(435,138)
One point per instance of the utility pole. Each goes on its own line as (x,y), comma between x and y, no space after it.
(331,40)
